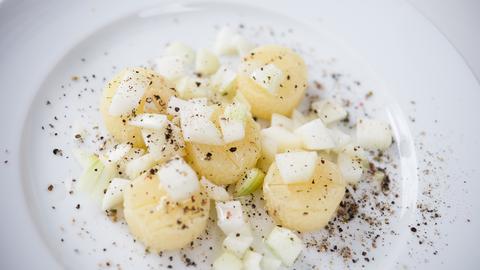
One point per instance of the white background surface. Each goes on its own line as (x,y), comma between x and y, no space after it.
(458,20)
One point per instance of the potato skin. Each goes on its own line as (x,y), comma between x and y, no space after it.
(226,164)
(305,206)
(292,87)
(155,99)
(170,228)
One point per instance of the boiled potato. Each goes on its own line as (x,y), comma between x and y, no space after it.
(161,224)
(291,89)
(226,164)
(154,101)
(304,206)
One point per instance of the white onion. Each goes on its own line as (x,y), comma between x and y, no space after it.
(268,77)
(149,120)
(129,93)
(230,216)
(373,134)
(223,81)
(339,137)
(189,88)
(178,179)
(181,50)
(217,193)
(140,165)
(315,136)
(225,42)
(114,193)
(242,45)
(171,67)
(232,130)
(329,110)
(296,167)
(239,241)
(285,244)
(269,262)
(350,167)
(284,139)
(252,260)
(206,62)
(227,261)
(118,152)
(279,120)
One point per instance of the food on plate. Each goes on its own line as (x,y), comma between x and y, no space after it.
(185,134)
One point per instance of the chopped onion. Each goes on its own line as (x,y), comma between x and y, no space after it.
(252,260)
(223,81)
(298,119)
(171,67)
(315,136)
(96,177)
(206,63)
(285,244)
(284,139)
(269,262)
(225,42)
(232,130)
(118,152)
(329,110)
(373,134)
(201,130)
(340,138)
(178,179)
(227,261)
(165,143)
(242,45)
(296,167)
(84,158)
(114,193)
(239,241)
(181,50)
(189,88)
(129,93)
(250,182)
(230,216)
(140,165)
(279,120)
(149,120)
(217,193)
(268,77)
(350,167)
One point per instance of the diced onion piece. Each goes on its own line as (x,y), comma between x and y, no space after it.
(270,263)
(181,50)
(284,139)
(240,98)
(118,152)
(232,130)
(252,260)
(296,167)
(373,134)
(279,120)
(164,143)
(84,158)
(250,182)
(354,150)
(140,165)
(239,241)
(329,110)
(242,45)
(350,167)
(285,244)
(340,138)
(227,261)
(225,42)
(230,216)
(269,149)
(223,81)
(149,120)
(315,136)
(171,67)
(96,177)
(201,130)
(114,193)
(129,92)
(177,106)
(298,119)
(188,88)
(268,77)
(236,111)
(217,193)
(178,179)
(206,63)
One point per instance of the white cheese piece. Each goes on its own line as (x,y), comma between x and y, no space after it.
(129,93)
(178,179)
(296,167)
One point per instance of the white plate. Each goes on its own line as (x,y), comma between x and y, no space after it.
(390,48)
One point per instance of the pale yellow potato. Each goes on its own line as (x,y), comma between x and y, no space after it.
(154,101)
(226,164)
(305,206)
(292,88)
(161,224)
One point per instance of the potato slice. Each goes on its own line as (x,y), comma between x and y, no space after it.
(226,164)
(154,100)
(290,90)
(304,206)
(161,224)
